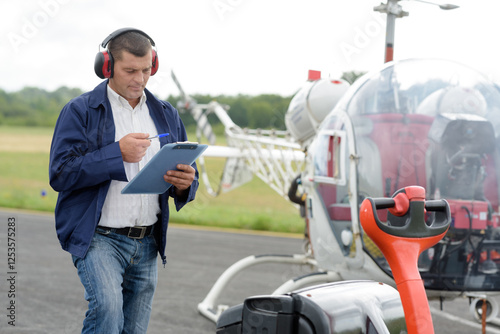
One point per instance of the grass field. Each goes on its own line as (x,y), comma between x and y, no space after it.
(24,184)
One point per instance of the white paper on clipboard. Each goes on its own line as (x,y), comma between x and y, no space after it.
(150,180)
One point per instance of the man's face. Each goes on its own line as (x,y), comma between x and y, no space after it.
(131,74)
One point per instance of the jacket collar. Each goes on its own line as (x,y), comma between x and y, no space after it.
(152,100)
(99,96)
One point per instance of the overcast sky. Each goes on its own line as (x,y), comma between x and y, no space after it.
(237,46)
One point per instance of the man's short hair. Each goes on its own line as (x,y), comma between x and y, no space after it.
(132,42)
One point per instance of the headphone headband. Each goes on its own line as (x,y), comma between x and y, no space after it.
(121,31)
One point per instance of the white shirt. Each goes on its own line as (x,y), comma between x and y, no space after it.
(130,210)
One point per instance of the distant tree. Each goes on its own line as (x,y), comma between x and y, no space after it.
(259,113)
(238,109)
(352,76)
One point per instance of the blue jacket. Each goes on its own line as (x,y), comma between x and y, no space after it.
(84,158)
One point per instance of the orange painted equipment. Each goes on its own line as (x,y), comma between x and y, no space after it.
(402,239)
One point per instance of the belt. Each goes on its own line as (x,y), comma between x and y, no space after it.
(136,232)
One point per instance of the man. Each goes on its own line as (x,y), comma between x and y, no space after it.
(100,143)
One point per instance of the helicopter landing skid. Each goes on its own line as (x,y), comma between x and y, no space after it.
(210,310)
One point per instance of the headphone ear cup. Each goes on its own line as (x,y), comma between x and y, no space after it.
(156,63)
(103,65)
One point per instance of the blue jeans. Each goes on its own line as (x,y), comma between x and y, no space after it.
(119,275)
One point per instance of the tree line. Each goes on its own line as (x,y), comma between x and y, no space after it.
(33,106)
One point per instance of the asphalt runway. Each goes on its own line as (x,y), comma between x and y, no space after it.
(48,296)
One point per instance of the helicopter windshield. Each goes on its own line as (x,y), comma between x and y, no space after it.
(435,124)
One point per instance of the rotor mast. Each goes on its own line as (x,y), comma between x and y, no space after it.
(394,10)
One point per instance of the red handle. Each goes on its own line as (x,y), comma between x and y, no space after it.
(402,250)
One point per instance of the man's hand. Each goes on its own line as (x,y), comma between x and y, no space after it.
(181,179)
(133,146)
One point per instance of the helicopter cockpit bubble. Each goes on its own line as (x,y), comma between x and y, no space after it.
(435,124)
(454,99)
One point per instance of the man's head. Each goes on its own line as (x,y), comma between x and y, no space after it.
(128,63)
(132,40)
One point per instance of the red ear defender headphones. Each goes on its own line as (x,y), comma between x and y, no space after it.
(104,63)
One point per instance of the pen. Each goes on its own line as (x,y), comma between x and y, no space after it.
(159,136)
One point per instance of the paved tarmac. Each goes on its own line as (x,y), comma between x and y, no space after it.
(49,297)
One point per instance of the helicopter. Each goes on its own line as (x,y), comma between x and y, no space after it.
(427,122)
(432,123)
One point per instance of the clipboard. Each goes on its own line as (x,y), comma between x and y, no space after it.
(150,180)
